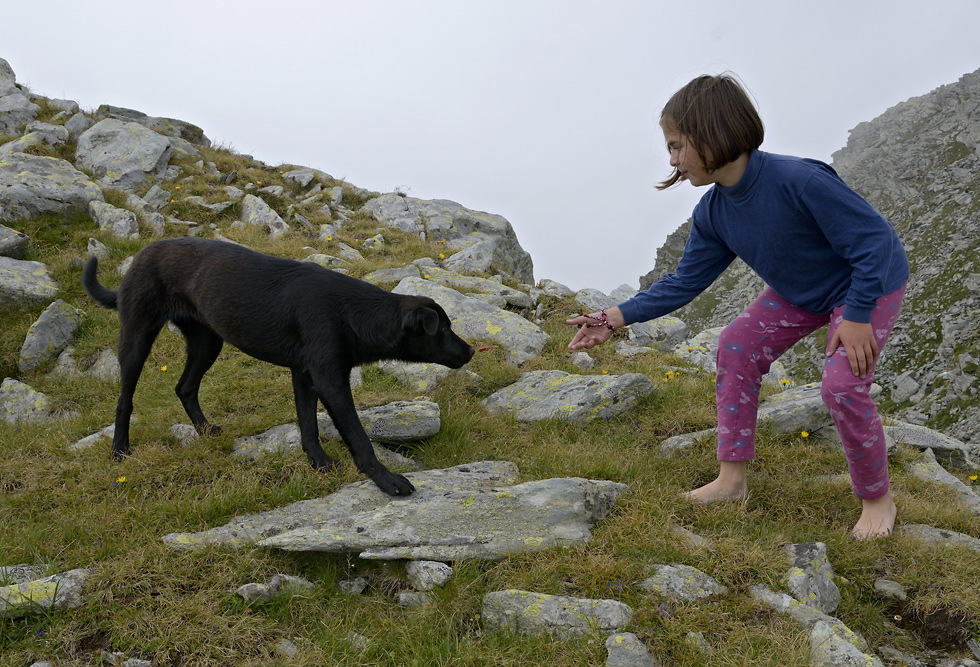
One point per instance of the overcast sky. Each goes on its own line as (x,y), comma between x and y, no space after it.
(543,112)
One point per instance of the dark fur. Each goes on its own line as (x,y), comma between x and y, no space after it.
(318,323)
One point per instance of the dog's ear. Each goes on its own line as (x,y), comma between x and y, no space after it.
(422,320)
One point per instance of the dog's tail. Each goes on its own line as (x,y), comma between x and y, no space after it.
(93,288)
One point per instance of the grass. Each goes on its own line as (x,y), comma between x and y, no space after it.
(70,509)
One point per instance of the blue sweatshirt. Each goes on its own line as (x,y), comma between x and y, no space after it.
(806,233)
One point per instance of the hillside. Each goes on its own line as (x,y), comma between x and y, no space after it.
(560,537)
(919,164)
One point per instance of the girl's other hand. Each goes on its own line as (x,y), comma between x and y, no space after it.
(858,339)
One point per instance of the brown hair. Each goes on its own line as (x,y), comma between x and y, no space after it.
(716,115)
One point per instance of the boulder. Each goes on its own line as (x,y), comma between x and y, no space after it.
(928,469)
(811,577)
(530,613)
(682,583)
(123,155)
(21,403)
(474,320)
(117,221)
(256,212)
(444,221)
(541,395)
(34,185)
(13,244)
(170,127)
(465,524)
(16,111)
(23,282)
(53,331)
(59,591)
(347,503)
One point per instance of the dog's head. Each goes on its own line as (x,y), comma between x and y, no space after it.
(427,335)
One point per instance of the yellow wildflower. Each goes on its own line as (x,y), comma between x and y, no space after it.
(442,256)
(973,478)
(121,480)
(164,368)
(804,434)
(426,276)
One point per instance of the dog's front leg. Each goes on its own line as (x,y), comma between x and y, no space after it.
(337,399)
(306,415)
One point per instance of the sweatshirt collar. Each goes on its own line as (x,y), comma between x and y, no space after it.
(752,170)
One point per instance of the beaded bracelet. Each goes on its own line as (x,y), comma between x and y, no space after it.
(603,320)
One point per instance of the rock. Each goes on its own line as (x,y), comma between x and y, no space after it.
(475,320)
(474,284)
(77,124)
(123,155)
(464,524)
(805,615)
(106,367)
(53,331)
(444,221)
(413,599)
(888,590)
(347,503)
(53,135)
(117,221)
(690,539)
(392,275)
(541,395)
(102,436)
(830,649)
(20,403)
(16,111)
(939,537)
(811,577)
(59,591)
(265,592)
(256,212)
(593,300)
(929,470)
(23,282)
(583,361)
(19,574)
(13,244)
(301,177)
(171,127)
(425,575)
(532,613)
(626,650)
(664,331)
(922,437)
(555,288)
(354,586)
(35,185)
(682,582)
(398,421)
(423,377)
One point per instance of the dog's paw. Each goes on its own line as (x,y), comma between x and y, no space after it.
(208,429)
(394,485)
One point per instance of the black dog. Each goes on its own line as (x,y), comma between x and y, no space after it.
(316,322)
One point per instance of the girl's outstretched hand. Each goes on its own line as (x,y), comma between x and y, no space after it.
(588,336)
(859,343)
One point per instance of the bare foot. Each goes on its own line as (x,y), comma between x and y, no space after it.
(877,518)
(729,485)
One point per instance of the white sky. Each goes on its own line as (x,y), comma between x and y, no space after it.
(544,112)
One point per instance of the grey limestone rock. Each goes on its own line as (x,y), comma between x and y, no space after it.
(53,331)
(13,244)
(578,398)
(828,648)
(939,537)
(425,575)
(531,613)
(16,111)
(21,403)
(474,320)
(58,591)
(347,503)
(117,221)
(256,212)
(123,155)
(682,582)
(36,185)
(626,650)
(483,523)
(929,470)
(811,576)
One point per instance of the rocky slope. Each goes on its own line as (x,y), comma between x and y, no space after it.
(919,164)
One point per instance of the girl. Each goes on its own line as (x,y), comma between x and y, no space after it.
(827,257)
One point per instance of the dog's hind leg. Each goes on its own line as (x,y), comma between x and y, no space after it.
(203,347)
(134,348)
(336,397)
(306,415)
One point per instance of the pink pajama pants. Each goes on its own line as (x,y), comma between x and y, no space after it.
(758,336)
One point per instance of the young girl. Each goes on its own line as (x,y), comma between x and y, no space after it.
(827,257)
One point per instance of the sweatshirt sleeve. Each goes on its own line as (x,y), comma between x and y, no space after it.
(705,257)
(859,234)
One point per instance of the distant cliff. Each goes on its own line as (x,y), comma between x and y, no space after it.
(919,164)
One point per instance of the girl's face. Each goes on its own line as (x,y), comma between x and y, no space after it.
(683,157)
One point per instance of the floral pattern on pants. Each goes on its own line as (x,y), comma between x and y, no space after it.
(757,337)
